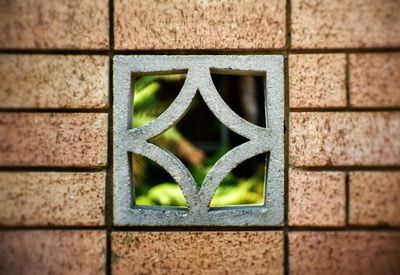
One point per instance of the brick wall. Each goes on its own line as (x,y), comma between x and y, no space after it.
(342,67)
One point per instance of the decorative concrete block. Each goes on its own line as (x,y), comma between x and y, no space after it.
(261,140)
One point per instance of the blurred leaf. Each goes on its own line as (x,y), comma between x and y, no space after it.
(167,194)
(145,97)
(143,200)
(142,81)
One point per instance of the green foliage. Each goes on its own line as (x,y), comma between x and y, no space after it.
(232,190)
(163,194)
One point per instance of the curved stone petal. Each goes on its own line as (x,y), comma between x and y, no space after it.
(224,113)
(224,165)
(172,114)
(171,164)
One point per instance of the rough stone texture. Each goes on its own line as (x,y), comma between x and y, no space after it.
(53,81)
(345,253)
(316,198)
(375,198)
(343,24)
(52,198)
(53,139)
(73,24)
(317,80)
(375,80)
(52,252)
(197,252)
(198,80)
(344,139)
(182,24)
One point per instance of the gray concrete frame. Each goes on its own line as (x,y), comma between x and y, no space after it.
(198,80)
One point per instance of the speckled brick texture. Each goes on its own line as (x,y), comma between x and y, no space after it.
(344,139)
(345,24)
(53,139)
(345,253)
(197,252)
(317,80)
(52,198)
(52,252)
(316,198)
(182,24)
(375,198)
(40,24)
(342,130)
(53,81)
(375,80)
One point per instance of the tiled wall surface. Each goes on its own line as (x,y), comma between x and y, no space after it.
(342,62)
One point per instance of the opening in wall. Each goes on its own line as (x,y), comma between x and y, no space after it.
(198,139)
(203,134)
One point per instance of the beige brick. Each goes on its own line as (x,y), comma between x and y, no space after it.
(316,198)
(317,80)
(182,24)
(52,81)
(52,252)
(53,139)
(344,139)
(73,24)
(197,252)
(345,24)
(51,198)
(345,253)
(375,80)
(375,198)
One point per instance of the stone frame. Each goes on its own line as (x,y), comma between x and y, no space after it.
(261,140)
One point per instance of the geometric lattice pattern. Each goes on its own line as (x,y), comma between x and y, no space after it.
(198,80)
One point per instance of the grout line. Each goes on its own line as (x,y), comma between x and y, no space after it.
(353,228)
(51,169)
(288,26)
(370,228)
(286,258)
(344,109)
(293,110)
(347,79)
(55,51)
(53,110)
(286,170)
(109,184)
(347,202)
(347,168)
(345,50)
(50,227)
(242,51)
(197,229)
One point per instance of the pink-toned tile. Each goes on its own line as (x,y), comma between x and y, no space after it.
(53,139)
(52,252)
(317,80)
(316,198)
(345,24)
(40,24)
(375,80)
(53,81)
(52,198)
(182,24)
(197,252)
(345,253)
(344,139)
(375,198)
